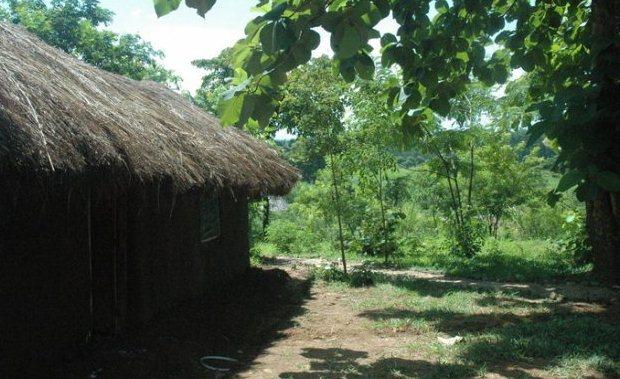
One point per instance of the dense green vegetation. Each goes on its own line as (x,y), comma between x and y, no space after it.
(467,197)
(472,203)
(569,48)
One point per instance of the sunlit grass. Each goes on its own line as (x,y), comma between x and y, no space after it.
(501,330)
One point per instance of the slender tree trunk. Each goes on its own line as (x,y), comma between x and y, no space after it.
(446,165)
(338,212)
(458,196)
(457,187)
(455,205)
(382,206)
(603,212)
(471,174)
(266,215)
(490,221)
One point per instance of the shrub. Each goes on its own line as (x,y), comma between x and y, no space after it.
(256,219)
(372,239)
(330,273)
(575,241)
(358,277)
(283,233)
(264,249)
(467,237)
(361,277)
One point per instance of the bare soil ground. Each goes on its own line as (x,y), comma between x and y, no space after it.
(568,291)
(278,323)
(333,339)
(330,340)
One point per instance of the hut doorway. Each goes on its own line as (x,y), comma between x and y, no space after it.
(108,245)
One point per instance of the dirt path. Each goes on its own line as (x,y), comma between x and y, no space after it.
(329,339)
(557,291)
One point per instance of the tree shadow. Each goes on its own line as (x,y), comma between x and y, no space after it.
(440,287)
(237,320)
(504,341)
(448,322)
(345,363)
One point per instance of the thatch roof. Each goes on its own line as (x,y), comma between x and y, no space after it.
(62,117)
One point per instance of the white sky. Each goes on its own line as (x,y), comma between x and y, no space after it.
(184,36)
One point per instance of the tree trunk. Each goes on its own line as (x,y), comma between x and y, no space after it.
(603,224)
(338,213)
(383,223)
(603,212)
(471,175)
(266,215)
(496,225)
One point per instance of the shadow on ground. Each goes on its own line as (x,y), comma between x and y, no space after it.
(238,320)
(440,286)
(548,334)
(345,363)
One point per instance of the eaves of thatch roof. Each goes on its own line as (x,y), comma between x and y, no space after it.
(60,117)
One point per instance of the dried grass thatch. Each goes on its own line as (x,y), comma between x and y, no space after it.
(62,117)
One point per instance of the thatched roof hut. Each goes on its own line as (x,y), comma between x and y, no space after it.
(61,117)
(117,198)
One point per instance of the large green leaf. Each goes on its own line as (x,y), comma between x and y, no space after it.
(276,36)
(201,6)
(365,67)
(163,7)
(347,69)
(441,6)
(346,41)
(441,105)
(311,39)
(569,180)
(236,110)
(535,132)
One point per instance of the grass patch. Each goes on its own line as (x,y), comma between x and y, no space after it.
(499,260)
(501,330)
(357,277)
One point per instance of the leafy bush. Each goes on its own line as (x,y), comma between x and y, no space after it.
(361,276)
(330,273)
(264,249)
(575,239)
(257,215)
(256,257)
(372,239)
(296,238)
(303,229)
(283,234)
(467,238)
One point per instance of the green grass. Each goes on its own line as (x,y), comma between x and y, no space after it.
(501,260)
(503,332)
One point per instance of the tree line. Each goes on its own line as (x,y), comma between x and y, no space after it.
(569,48)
